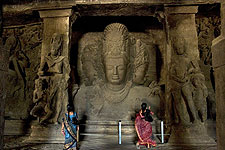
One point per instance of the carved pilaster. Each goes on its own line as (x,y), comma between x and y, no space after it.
(182,64)
(51,88)
(218,55)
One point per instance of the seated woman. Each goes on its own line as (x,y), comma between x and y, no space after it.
(69,128)
(143,127)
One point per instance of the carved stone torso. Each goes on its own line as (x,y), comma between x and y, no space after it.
(179,71)
(98,107)
(120,61)
(55,65)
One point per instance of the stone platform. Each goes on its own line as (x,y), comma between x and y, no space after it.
(102,136)
(95,143)
(52,133)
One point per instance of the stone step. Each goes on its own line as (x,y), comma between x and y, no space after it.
(16,127)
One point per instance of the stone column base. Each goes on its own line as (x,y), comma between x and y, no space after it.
(45,134)
(193,135)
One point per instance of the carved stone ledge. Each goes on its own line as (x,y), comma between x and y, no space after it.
(55,13)
(113,1)
(181,9)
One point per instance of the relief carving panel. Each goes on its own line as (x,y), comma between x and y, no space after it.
(24,44)
(114,68)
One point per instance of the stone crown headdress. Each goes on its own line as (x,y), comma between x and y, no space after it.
(141,56)
(116,41)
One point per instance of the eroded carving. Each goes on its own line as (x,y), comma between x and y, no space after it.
(41,108)
(181,90)
(24,44)
(140,63)
(200,93)
(55,68)
(18,61)
(90,64)
(208,27)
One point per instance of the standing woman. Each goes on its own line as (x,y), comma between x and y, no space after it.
(69,128)
(143,127)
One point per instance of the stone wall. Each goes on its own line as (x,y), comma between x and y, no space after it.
(24,43)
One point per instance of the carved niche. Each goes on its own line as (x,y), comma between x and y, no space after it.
(115,68)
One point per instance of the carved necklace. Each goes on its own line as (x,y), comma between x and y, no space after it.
(113,97)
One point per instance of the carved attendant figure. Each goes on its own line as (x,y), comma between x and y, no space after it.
(181,89)
(56,67)
(40,100)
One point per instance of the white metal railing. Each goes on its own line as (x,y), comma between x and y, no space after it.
(162,134)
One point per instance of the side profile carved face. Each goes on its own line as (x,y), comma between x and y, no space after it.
(139,74)
(115,69)
(89,70)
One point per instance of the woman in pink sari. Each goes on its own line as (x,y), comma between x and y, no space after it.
(143,127)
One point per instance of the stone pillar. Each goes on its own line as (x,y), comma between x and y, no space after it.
(55,22)
(218,55)
(182,56)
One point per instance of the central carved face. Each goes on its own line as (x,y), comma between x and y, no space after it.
(115,68)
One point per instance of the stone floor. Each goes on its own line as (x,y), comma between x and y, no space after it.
(94,143)
(103,142)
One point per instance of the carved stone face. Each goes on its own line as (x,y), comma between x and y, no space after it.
(55,45)
(140,74)
(197,82)
(115,69)
(179,46)
(180,50)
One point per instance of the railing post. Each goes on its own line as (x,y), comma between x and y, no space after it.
(162,133)
(120,132)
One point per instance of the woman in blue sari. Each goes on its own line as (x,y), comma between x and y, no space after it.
(69,128)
